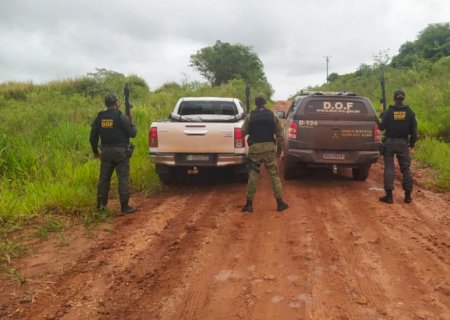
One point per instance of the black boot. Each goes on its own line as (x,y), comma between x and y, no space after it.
(248,207)
(408,198)
(388,197)
(126,209)
(281,205)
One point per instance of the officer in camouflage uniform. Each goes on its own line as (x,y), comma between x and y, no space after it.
(114,130)
(400,125)
(261,125)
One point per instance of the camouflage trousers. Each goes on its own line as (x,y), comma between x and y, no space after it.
(113,158)
(399,148)
(270,162)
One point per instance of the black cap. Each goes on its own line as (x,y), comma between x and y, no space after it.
(260,100)
(110,100)
(399,95)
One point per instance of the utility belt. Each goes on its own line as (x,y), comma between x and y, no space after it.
(252,142)
(129,147)
(114,146)
(396,139)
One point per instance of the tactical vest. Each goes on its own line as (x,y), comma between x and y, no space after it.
(262,126)
(110,129)
(399,122)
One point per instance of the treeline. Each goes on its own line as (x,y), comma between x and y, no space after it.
(422,69)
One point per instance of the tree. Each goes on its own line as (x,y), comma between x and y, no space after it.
(224,62)
(432,44)
(333,76)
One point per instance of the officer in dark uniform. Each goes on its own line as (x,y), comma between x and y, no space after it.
(262,126)
(400,125)
(114,130)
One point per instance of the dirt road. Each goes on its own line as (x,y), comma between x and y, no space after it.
(189,253)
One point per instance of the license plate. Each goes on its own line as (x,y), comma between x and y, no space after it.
(197,157)
(334,156)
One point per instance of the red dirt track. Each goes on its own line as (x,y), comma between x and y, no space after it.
(189,253)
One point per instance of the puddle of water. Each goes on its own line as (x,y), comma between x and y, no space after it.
(223,275)
(292,278)
(277,299)
(305,298)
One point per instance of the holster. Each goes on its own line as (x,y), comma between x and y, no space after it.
(130,150)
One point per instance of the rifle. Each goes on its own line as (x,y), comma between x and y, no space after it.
(128,105)
(247,95)
(383,103)
(383,92)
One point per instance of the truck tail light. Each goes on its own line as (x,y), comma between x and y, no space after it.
(376,134)
(239,139)
(153,137)
(292,133)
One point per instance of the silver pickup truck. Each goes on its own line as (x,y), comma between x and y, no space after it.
(201,132)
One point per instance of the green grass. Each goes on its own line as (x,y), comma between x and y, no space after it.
(436,154)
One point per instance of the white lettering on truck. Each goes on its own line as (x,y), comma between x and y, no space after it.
(327,105)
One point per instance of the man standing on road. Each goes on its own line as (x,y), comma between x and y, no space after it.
(262,127)
(400,124)
(114,130)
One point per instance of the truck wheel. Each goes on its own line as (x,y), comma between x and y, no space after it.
(242,177)
(361,173)
(290,165)
(166,178)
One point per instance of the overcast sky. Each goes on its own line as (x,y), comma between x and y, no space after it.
(43,40)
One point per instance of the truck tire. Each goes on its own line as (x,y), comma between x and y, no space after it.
(361,173)
(290,165)
(166,178)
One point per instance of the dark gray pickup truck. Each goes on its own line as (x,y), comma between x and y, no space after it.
(330,130)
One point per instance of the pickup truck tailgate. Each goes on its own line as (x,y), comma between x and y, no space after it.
(337,135)
(193,137)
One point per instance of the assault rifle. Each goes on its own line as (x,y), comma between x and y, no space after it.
(128,105)
(247,95)
(383,92)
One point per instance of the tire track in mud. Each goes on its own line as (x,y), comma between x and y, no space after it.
(189,253)
(116,273)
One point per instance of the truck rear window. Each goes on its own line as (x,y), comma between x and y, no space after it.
(207,107)
(335,107)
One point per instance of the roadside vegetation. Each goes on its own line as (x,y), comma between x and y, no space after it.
(48,174)
(422,70)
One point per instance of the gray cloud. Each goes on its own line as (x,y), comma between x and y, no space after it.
(46,40)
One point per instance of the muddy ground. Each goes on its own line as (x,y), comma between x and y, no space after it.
(189,253)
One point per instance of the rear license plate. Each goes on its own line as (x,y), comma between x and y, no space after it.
(334,156)
(197,157)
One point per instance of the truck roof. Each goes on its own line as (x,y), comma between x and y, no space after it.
(207,99)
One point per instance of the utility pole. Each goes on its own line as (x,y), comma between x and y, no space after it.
(327,59)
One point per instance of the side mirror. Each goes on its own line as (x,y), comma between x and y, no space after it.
(281,114)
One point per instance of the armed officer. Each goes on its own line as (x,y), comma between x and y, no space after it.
(262,126)
(114,130)
(400,125)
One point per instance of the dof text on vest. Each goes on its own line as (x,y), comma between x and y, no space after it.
(110,129)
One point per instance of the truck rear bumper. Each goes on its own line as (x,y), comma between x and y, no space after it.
(211,160)
(327,157)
